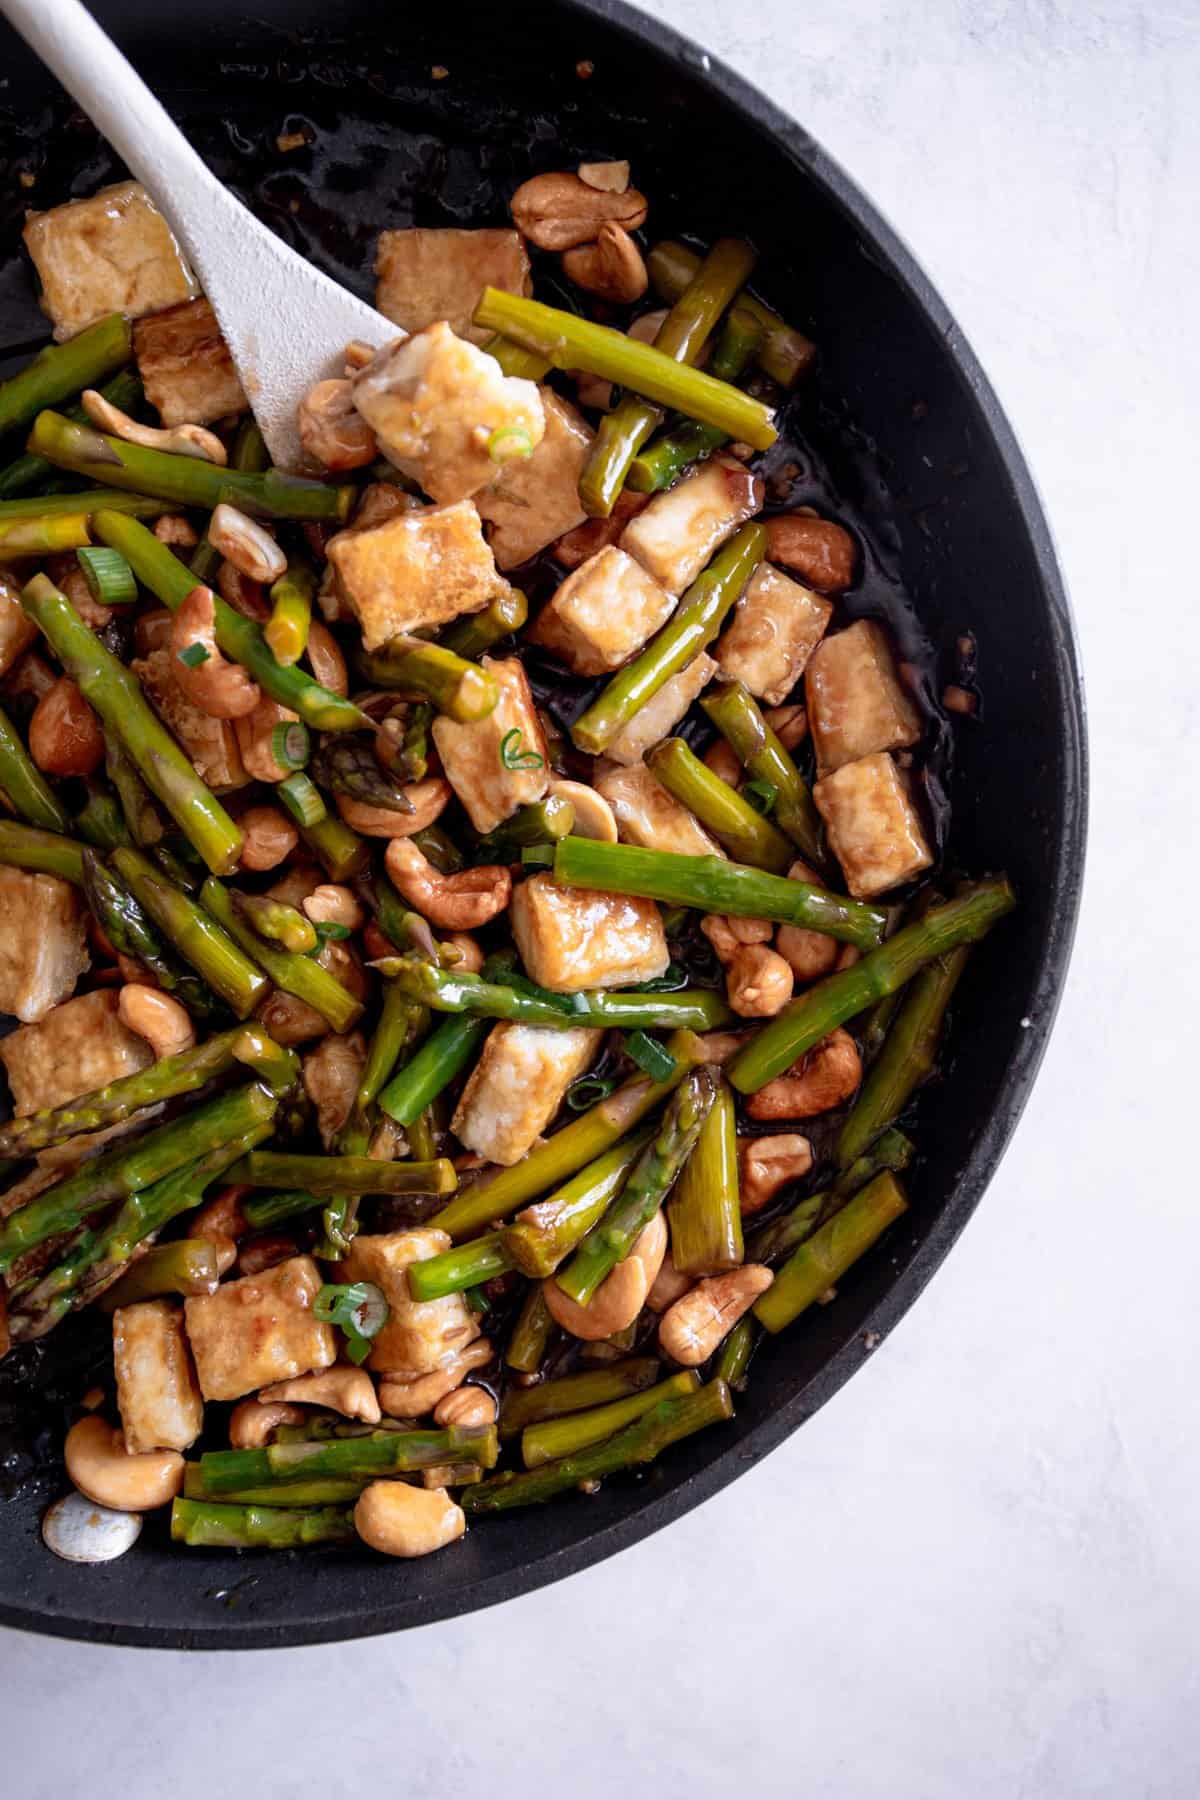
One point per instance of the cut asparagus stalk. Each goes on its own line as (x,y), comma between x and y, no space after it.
(664,461)
(565,1394)
(344,1174)
(785,353)
(368,1458)
(454,1270)
(907,1057)
(194,933)
(206,1526)
(578,1431)
(48,535)
(823,1259)
(42,852)
(476,633)
(130,933)
(735,1354)
(187,1266)
(689,1009)
(531,1333)
(124,391)
(745,834)
(88,501)
(736,715)
(704,1212)
(890,1150)
(296,975)
(542,1236)
(262,1211)
(445,1052)
(286,631)
(460,689)
(322,1490)
(26,788)
(61,370)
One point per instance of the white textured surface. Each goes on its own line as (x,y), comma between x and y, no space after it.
(975,1575)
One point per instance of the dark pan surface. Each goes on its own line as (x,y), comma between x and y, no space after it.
(898,435)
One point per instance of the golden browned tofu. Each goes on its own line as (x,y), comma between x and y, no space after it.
(436,405)
(158,1395)
(111,253)
(603,613)
(331,1074)
(874,828)
(420,1335)
(258,1330)
(210,743)
(535,499)
(648,815)
(478,758)
(517,1086)
(775,627)
(79,1046)
(427,275)
(185,365)
(661,714)
(680,531)
(43,951)
(575,938)
(17,629)
(415,569)
(856,703)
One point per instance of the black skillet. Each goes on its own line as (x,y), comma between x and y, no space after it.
(431,116)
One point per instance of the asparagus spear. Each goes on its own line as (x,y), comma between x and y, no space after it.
(531,1333)
(100,821)
(693,625)
(682,336)
(297,975)
(44,536)
(466,1266)
(206,1526)
(185,480)
(124,391)
(460,689)
(340,851)
(555,1399)
(890,1150)
(581,347)
(130,932)
(344,1174)
(704,1212)
(60,370)
(569,1150)
(578,1431)
(823,1259)
(144,823)
(88,501)
(384,1453)
(475,633)
(540,822)
(116,695)
(804,1022)
(745,834)
(544,1234)
(187,1266)
(710,884)
(514,359)
(736,715)
(444,1053)
(401,1025)
(251,455)
(286,631)
(274,919)
(42,852)
(665,460)
(781,1236)
(26,788)
(650,1181)
(261,1211)
(694,1009)
(665,1424)
(907,1057)
(328,1490)
(171,582)
(736,1351)
(785,353)
(191,930)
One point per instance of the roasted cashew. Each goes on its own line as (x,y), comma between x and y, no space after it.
(470,956)
(252,1424)
(667,1287)
(245,543)
(690,1330)
(332,430)
(64,733)
(291,1021)
(719,1046)
(331,1074)
(399,1520)
(758,982)
(612,267)
(245,596)
(325,659)
(101,1467)
(723,760)
(332,904)
(558,211)
(459,902)
(819,551)
(807,953)
(593,815)
(818,1081)
(403,1398)
(221,1216)
(727,935)
(465,1406)
(609,177)
(429,800)
(180,440)
(268,837)
(166,1026)
(766,1164)
(218,687)
(255,731)
(621,1295)
(343,1389)
(177,532)
(265,1252)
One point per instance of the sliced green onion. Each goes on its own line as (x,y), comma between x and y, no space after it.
(291,745)
(329,928)
(302,799)
(357,1308)
(588,1091)
(762,796)
(193,655)
(512,755)
(109,577)
(653,1058)
(509,444)
(675,977)
(538,856)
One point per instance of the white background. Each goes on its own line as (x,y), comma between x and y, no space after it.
(975,1575)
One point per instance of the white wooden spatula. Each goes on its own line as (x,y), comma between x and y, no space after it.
(286,323)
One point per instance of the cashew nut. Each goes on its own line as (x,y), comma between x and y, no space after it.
(245,596)
(101,1467)
(690,1330)
(621,1295)
(180,440)
(252,1424)
(819,551)
(558,211)
(218,687)
(594,817)
(291,1021)
(667,1286)
(332,430)
(248,545)
(343,1389)
(465,1406)
(609,177)
(808,954)
(152,631)
(459,902)
(822,1079)
(357,355)
(166,1026)
(400,1520)
(255,731)
(612,267)
(429,800)
(727,935)
(758,982)
(719,1046)
(767,1164)
(331,1074)
(325,659)
(268,837)
(331,904)
(410,1399)
(296,883)
(789,723)
(722,759)
(469,955)
(176,532)
(221,1216)
(64,733)
(265,1252)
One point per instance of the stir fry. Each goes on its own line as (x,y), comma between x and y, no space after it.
(471,913)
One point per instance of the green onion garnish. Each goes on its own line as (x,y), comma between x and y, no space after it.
(653,1058)
(328,928)
(588,1091)
(510,443)
(291,745)
(357,1308)
(109,577)
(538,856)
(762,796)
(302,799)
(193,655)
(512,755)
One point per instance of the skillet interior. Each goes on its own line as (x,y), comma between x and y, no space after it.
(898,434)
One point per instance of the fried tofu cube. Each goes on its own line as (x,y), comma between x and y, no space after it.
(482,760)
(79,1046)
(426,275)
(158,1395)
(603,613)
(680,531)
(776,626)
(856,703)
(17,629)
(435,404)
(535,499)
(571,939)
(258,1330)
(111,253)
(648,815)
(42,946)
(656,720)
(874,828)
(415,569)
(211,743)
(419,1335)
(517,1086)
(185,365)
